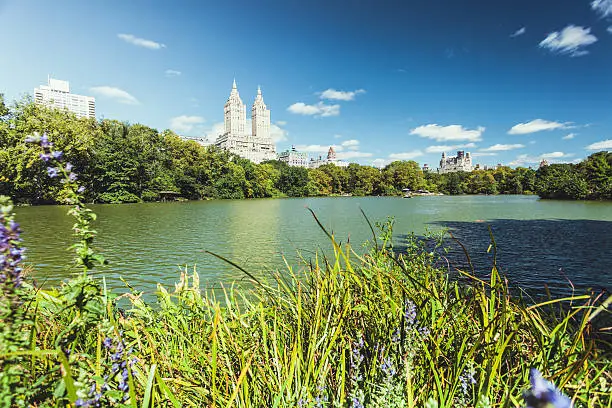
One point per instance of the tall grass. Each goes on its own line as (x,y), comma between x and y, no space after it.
(384,329)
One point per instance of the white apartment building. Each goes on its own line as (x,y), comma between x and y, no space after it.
(294,158)
(330,159)
(257,146)
(461,162)
(56,94)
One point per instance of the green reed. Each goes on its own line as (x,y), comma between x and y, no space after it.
(382,329)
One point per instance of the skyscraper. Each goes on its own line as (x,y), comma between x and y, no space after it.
(257,146)
(56,94)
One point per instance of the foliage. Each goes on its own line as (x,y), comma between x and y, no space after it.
(120,162)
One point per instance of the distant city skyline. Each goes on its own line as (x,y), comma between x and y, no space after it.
(379,81)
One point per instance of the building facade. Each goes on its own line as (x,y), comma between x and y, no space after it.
(294,158)
(330,159)
(256,146)
(461,162)
(56,94)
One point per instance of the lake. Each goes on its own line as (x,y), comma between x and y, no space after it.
(539,242)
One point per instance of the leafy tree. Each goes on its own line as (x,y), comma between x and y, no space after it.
(561,181)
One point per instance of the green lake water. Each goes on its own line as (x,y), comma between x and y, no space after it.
(540,242)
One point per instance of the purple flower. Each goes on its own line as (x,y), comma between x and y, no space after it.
(410,313)
(357,403)
(543,393)
(44,141)
(44,157)
(57,155)
(52,172)
(69,166)
(81,190)
(72,177)
(107,342)
(387,367)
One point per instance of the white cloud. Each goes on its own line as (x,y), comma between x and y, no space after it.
(352,155)
(172,73)
(481,154)
(536,125)
(569,137)
(446,148)
(118,94)
(185,124)
(454,133)
(603,145)
(553,157)
(602,7)
(351,144)
(406,155)
(317,148)
(277,133)
(518,32)
(320,109)
(502,147)
(214,131)
(338,136)
(571,40)
(341,95)
(610,29)
(281,123)
(380,163)
(141,42)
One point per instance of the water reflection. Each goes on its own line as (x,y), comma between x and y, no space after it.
(538,253)
(150,243)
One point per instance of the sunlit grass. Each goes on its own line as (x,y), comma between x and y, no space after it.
(382,329)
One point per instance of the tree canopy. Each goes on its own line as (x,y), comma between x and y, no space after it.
(121,162)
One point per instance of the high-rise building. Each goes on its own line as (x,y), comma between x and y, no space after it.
(257,146)
(461,162)
(56,94)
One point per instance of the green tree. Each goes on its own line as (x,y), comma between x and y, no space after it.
(561,181)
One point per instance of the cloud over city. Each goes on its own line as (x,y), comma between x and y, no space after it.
(318,110)
(413,154)
(571,41)
(341,95)
(502,147)
(448,148)
(536,125)
(603,145)
(451,133)
(185,124)
(554,157)
(116,94)
(141,42)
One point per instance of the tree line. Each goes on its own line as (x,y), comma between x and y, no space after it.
(118,162)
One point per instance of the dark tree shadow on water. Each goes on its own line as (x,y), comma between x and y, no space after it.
(536,254)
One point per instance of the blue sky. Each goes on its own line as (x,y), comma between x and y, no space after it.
(511,82)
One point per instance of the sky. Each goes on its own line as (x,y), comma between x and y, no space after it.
(512,82)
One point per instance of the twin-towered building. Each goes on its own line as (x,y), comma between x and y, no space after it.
(257,145)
